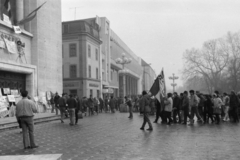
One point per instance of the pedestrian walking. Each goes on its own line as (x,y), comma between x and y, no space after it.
(226,101)
(168,108)
(62,106)
(194,100)
(112,104)
(101,105)
(24,112)
(217,104)
(234,102)
(185,106)
(176,108)
(77,109)
(90,105)
(129,104)
(144,105)
(55,100)
(71,106)
(158,110)
(208,109)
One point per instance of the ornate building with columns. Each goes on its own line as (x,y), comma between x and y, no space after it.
(36,65)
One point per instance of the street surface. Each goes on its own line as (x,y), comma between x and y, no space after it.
(114,136)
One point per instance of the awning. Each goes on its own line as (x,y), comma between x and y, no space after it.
(107,86)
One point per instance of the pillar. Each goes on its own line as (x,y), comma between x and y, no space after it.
(19,10)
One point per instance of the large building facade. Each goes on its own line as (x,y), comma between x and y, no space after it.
(37,65)
(81,59)
(111,75)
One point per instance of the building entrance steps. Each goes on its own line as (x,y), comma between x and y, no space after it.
(11,122)
(33,157)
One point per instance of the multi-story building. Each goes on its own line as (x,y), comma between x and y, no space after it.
(81,58)
(37,65)
(149,75)
(98,33)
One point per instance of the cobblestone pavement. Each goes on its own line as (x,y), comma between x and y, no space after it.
(114,136)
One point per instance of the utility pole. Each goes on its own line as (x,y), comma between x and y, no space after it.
(75,11)
(173,84)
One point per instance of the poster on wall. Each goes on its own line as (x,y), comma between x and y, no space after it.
(48,95)
(6,90)
(14,92)
(3,106)
(11,46)
(11,98)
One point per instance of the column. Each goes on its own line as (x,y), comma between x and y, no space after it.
(19,10)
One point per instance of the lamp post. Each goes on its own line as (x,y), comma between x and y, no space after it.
(173,84)
(144,76)
(123,60)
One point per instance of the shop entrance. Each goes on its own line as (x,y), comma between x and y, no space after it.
(12,80)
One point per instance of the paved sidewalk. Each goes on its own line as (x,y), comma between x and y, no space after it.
(36,116)
(113,136)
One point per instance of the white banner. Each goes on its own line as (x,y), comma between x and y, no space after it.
(11,46)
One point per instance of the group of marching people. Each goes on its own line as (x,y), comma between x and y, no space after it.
(184,107)
(74,107)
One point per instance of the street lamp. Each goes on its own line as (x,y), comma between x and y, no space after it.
(144,77)
(123,60)
(173,84)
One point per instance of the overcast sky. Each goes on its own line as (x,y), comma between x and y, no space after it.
(159,31)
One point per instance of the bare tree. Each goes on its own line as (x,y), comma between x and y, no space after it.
(231,46)
(209,62)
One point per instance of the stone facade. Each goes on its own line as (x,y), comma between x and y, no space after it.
(42,63)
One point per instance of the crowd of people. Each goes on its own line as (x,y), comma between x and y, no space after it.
(207,108)
(173,108)
(75,107)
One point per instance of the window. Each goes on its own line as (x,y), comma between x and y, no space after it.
(72,50)
(96,73)
(89,71)
(73,71)
(97,54)
(89,51)
(91,92)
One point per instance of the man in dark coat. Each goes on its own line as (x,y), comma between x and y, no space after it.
(71,106)
(112,104)
(62,106)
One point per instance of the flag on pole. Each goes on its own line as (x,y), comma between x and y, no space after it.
(158,88)
(30,16)
(7,6)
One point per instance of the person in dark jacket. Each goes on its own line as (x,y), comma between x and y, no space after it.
(234,106)
(62,106)
(144,102)
(71,106)
(90,105)
(185,106)
(112,104)
(101,106)
(129,103)
(208,109)
(158,110)
(54,101)
(176,108)
(78,108)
